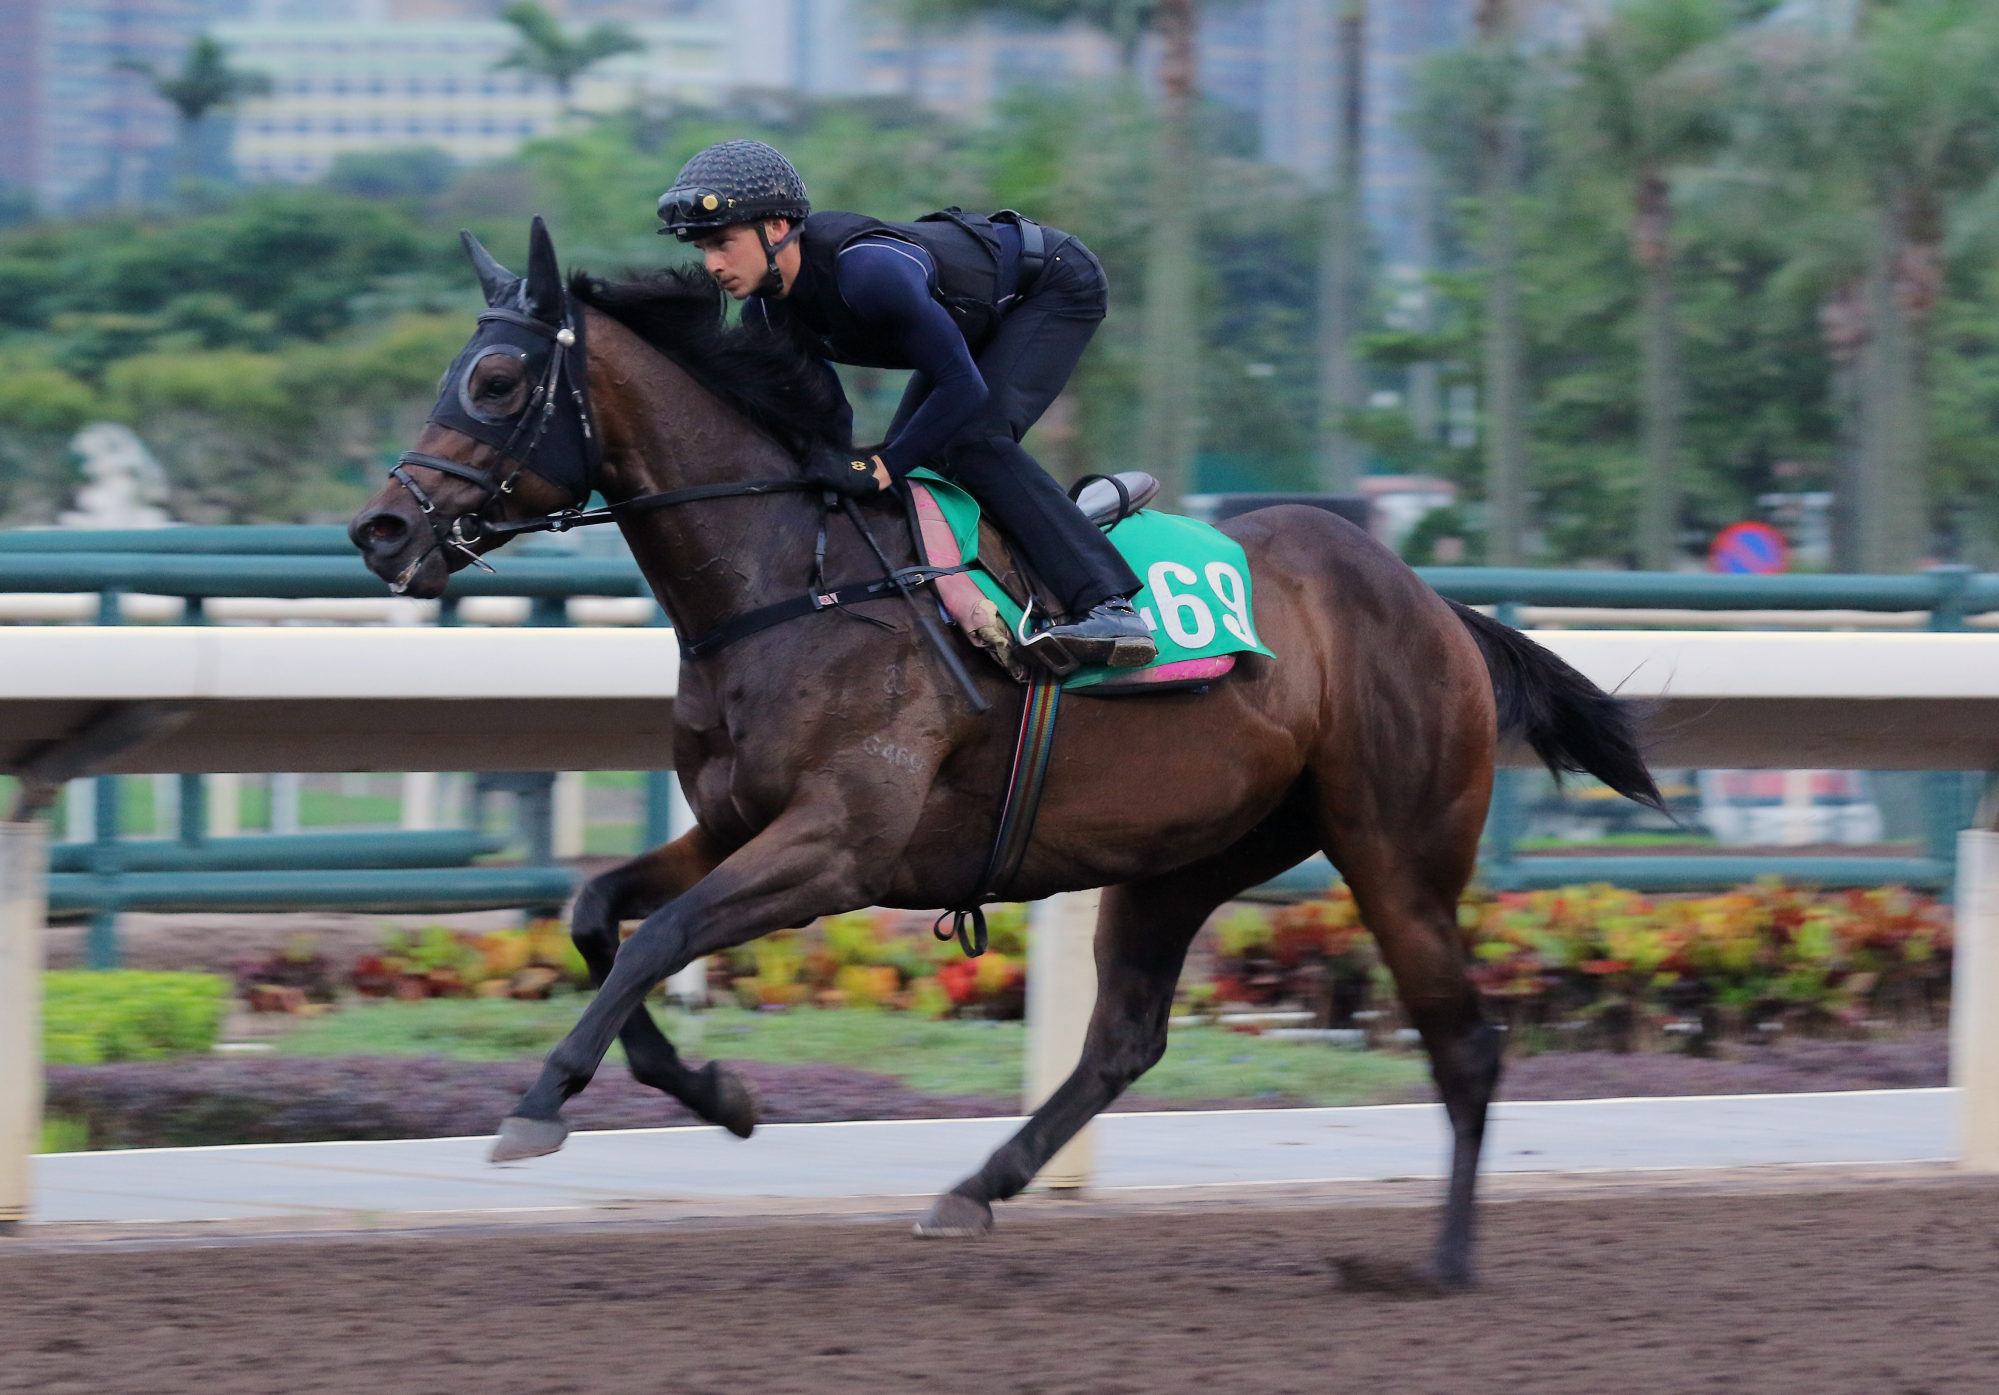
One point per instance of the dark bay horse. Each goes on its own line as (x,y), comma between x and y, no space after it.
(833,765)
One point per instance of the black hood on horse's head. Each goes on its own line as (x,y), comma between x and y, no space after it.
(539,293)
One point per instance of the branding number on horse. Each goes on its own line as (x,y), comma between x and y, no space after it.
(895,755)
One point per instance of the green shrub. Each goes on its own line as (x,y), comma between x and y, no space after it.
(90,1016)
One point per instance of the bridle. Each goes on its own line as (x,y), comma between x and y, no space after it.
(572,459)
(563,366)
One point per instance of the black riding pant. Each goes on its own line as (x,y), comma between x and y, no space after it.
(1025,365)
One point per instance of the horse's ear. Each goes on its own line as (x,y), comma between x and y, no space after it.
(495,280)
(544,288)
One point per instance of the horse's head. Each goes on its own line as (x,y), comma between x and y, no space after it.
(511,435)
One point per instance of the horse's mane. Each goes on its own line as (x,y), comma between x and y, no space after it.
(791,398)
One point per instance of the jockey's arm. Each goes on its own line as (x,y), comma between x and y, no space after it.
(887,286)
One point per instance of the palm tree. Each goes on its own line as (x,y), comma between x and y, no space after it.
(1898,119)
(547,50)
(1500,138)
(205,84)
(1643,110)
(1340,291)
(1171,404)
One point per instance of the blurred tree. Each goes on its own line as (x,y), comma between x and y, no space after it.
(205,85)
(41,407)
(415,173)
(1497,128)
(1895,122)
(1643,106)
(550,52)
(1342,296)
(1170,425)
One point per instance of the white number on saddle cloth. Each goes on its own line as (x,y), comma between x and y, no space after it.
(1227,584)
(1187,618)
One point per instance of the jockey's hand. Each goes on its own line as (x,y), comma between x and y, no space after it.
(861,476)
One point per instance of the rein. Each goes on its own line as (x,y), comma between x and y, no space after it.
(578,478)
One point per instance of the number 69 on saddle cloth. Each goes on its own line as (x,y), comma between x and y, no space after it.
(1196,597)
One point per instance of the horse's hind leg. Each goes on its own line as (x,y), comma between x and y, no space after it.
(1408,897)
(1143,931)
(633,891)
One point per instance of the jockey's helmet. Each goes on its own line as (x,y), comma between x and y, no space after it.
(737,181)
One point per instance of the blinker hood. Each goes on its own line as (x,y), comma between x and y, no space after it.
(528,319)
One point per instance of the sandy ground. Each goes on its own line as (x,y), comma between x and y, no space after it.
(1816,1288)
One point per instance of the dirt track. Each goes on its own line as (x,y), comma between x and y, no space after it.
(1887,1290)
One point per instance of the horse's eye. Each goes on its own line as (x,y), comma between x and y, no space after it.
(499,385)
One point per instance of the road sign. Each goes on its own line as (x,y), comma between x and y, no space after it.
(1755,549)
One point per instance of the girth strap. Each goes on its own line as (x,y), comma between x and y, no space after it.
(1017,816)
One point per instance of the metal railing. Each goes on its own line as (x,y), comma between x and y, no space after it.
(196,564)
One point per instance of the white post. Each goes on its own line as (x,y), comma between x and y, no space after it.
(285,790)
(1797,821)
(225,805)
(571,812)
(166,805)
(1974,1001)
(1061,991)
(23,908)
(420,800)
(690,985)
(79,811)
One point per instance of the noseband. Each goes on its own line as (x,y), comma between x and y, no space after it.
(573,470)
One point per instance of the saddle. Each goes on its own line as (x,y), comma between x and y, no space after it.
(1106,500)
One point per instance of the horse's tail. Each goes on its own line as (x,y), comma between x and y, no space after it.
(1572,724)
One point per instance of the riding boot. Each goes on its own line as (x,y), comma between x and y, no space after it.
(1112,633)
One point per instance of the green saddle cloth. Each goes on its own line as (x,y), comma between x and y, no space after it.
(1196,597)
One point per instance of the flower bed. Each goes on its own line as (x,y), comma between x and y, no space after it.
(1612,968)
(880,958)
(1588,966)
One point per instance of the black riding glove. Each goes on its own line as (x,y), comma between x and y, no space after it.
(844,471)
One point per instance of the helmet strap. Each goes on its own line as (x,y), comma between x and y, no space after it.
(773,282)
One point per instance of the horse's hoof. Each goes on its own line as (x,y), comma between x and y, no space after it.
(735,1102)
(526,1138)
(955,1217)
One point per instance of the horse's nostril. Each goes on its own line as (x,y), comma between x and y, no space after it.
(386,528)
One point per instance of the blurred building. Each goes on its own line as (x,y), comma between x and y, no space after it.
(410,74)
(355,75)
(76,130)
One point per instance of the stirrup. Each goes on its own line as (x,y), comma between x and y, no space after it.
(1044,646)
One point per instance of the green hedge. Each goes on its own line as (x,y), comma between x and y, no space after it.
(90,1016)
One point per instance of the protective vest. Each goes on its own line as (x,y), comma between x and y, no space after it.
(963,248)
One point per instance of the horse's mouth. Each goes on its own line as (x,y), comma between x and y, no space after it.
(419,580)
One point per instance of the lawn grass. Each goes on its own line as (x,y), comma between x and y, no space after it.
(60,1135)
(948,1057)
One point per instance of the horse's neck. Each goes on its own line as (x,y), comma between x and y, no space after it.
(714,559)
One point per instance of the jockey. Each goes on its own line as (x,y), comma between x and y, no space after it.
(990,313)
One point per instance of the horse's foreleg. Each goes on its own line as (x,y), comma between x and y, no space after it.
(1143,931)
(780,878)
(631,892)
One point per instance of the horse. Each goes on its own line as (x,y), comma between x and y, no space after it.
(833,765)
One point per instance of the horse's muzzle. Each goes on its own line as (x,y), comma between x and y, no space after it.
(400,551)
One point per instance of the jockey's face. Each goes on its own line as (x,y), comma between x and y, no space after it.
(735,257)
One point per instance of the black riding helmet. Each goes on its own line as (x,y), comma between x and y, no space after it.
(736,182)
